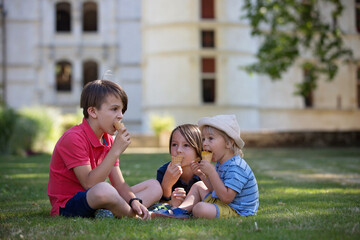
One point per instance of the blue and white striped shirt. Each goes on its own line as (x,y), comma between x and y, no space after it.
(237,175)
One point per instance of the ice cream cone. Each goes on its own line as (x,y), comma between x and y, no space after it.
(176,160)
(118,125)
(206,155)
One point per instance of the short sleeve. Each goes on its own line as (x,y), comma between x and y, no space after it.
(161,172)
(74,150)
(235,178)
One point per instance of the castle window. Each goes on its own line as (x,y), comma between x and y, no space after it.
(63,17)
(308,100)
(90,17)
(208,39)
(63,76)
(90,71)
(208,71)
(207,9)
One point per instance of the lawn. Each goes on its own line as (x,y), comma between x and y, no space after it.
(304,194)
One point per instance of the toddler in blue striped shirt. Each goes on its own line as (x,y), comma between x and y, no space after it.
(230,188)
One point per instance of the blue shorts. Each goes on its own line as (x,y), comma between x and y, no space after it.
(77,206)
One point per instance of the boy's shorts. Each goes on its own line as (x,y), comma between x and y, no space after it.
(77,206)
(222,210)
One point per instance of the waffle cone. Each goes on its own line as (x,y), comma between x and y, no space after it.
(176,160)
(118,125)
(206,155)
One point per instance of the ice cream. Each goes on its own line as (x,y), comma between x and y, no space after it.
(176,160)
(118,125)
(206,155)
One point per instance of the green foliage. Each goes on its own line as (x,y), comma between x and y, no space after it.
(161,124)
(290,27)
(304,194)
(24,135)
(33,130)
(37,129)
(7,125)
(69,120)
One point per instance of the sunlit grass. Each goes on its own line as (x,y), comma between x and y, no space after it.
(304,194)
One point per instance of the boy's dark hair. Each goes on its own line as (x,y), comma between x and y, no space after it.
(95,92)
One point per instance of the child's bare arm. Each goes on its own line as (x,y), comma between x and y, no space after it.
(225,194)
(195,167)
(117,180)
(208,184)
(89,177)
(121,142)
(171,176)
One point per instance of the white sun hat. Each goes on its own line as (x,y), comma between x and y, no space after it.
(226,123)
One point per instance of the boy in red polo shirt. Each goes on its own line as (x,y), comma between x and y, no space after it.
(87,154)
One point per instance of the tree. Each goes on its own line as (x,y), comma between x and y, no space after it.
(288,28)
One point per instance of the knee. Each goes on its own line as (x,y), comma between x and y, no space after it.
(199,185)
(198,210)
(155,187)
(104,193)
(202,210)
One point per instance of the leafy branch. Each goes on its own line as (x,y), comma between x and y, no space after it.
(289,28)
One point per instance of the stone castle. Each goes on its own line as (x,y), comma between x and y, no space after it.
(178,58)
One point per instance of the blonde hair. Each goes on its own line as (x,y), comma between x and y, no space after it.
(234,147)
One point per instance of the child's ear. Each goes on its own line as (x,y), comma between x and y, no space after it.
(229,144)
(92,112)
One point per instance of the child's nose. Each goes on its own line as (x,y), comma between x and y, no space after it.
(179,149)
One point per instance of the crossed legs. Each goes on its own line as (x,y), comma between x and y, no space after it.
(193,202)
(104,195)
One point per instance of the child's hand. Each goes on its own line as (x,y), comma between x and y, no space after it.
(195,168)
(172,174)
(207,168)
(140,210)
(122,140)
(177,197)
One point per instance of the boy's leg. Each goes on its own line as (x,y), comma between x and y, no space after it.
(77,206)
(204,210)
(103,195)
(149,191)
(196,194)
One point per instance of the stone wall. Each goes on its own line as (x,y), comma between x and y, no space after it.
(303,139)
(276,139)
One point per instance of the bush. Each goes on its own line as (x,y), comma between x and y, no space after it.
(32,130)
(35,130)
(47,122)
(161,124)
(70,120)
(7,125)
(23,136)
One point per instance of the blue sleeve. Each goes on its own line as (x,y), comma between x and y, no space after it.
(161,172)
(236,178)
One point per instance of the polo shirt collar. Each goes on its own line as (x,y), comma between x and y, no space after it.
(90,134)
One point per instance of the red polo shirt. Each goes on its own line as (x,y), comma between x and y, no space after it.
(77,147)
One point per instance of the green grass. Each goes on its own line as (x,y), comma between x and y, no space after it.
(304,194)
